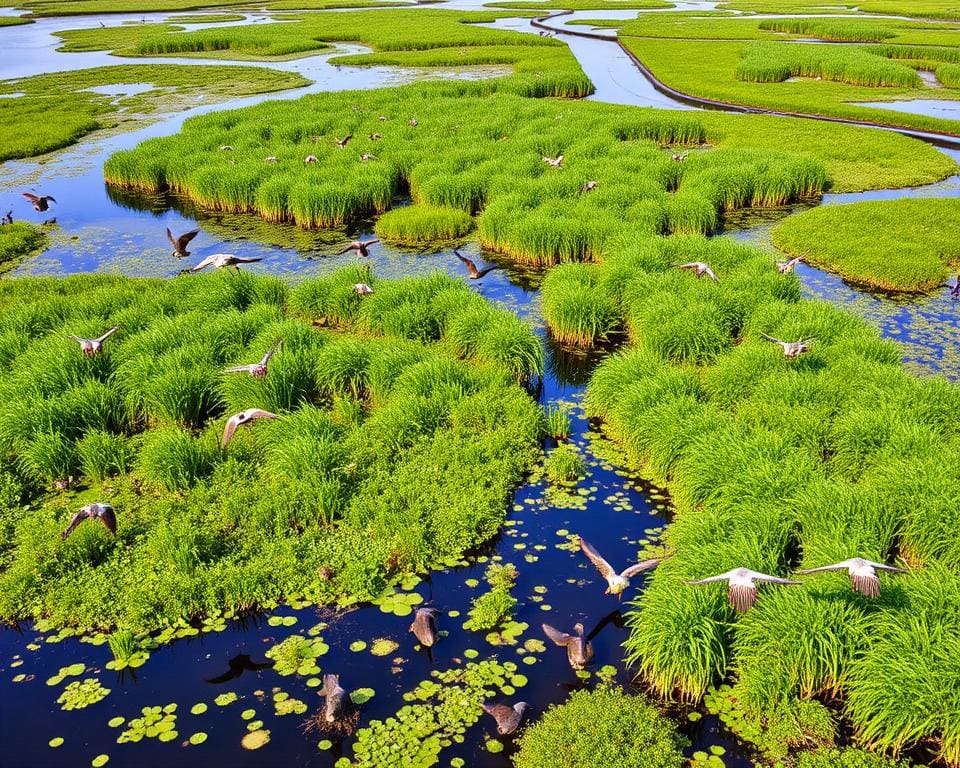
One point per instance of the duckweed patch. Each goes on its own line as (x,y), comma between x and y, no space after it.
(297,655)
(81,694)
(155,723)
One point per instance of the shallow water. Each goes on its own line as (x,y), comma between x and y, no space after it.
(123,233)
(943,108)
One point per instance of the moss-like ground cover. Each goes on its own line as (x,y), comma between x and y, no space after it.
(780,464)
(57,110)
(401,423)
(747,62)
(893,245)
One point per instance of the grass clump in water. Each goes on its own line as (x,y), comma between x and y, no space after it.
(565,464)
(420,224)
(604,726)
(893,245)
(19,240)
(495,606)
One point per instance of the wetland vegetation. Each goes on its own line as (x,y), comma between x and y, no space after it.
(399,416)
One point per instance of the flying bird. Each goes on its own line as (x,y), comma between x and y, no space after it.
(678,158)
(360,246)
(700,268)
(99,510)
(40,202)
(362,289)
(237,666)
(257,370)
(791,349)
(556,162)
(219,260)
(616,582)
(475,274)
(579,649)
(742,590)
(341,143)
(336,697)
(508,718)
(783,267)
(180,243)
(590,186)
(424,626)
(863,574)
(91,347)
(244,417)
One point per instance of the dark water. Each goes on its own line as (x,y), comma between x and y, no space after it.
(100,231)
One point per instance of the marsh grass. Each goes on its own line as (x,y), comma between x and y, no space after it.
(387,424)
(19,240)
(419,224)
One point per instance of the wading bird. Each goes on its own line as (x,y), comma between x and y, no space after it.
(700,268)
(590,186)
(40,203)
(616,582)
(257,370)
(336,704)
(180,243)
(362,289)
(91,347)
(219,260)
(555,162)
(783,267)
(579,649)
(341,143)
(742,591)
(863,574)
(360,246)
(310,159)
(508,718)
(244,417)
(99,510)
(475,274)
(791,349)
(424,626)
(237,666)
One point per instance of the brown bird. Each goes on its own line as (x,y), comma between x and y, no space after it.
(341,143)
(375,137)
(700,268)
(475,274)
(556,162)
(742,591)
(791,349)
(590,186)
(336,704)
(508,718)
(40,202)
(616,582)
(360,246)
(311,159)
(863,574)
(100,510)
(579,649)
(783,267)
(219,260)
(412,122)
(362,289)
(180,243)
(424,626)
(244,417)
(678,158)
(91,347)
(257,370)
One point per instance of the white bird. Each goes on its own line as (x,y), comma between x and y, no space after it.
(783,267)
(244,417)
(257,370)
(791,349)
(367,156)
(700,268)
(270,159)
(311,159)
(678,158)
(616,582)
(362,289)
(556,162)
(226,148)
(91,347)
(863,574)
(742,590)
(219,260)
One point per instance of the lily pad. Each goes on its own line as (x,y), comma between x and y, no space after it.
(361,695)
(55,742)
(383,646)
(198,738)
(198,708)
(100,760)
(255,739)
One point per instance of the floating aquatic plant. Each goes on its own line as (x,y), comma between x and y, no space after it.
(297,655)
(155,723)
(494,607)
(81,694)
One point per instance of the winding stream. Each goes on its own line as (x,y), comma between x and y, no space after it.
(120,233)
